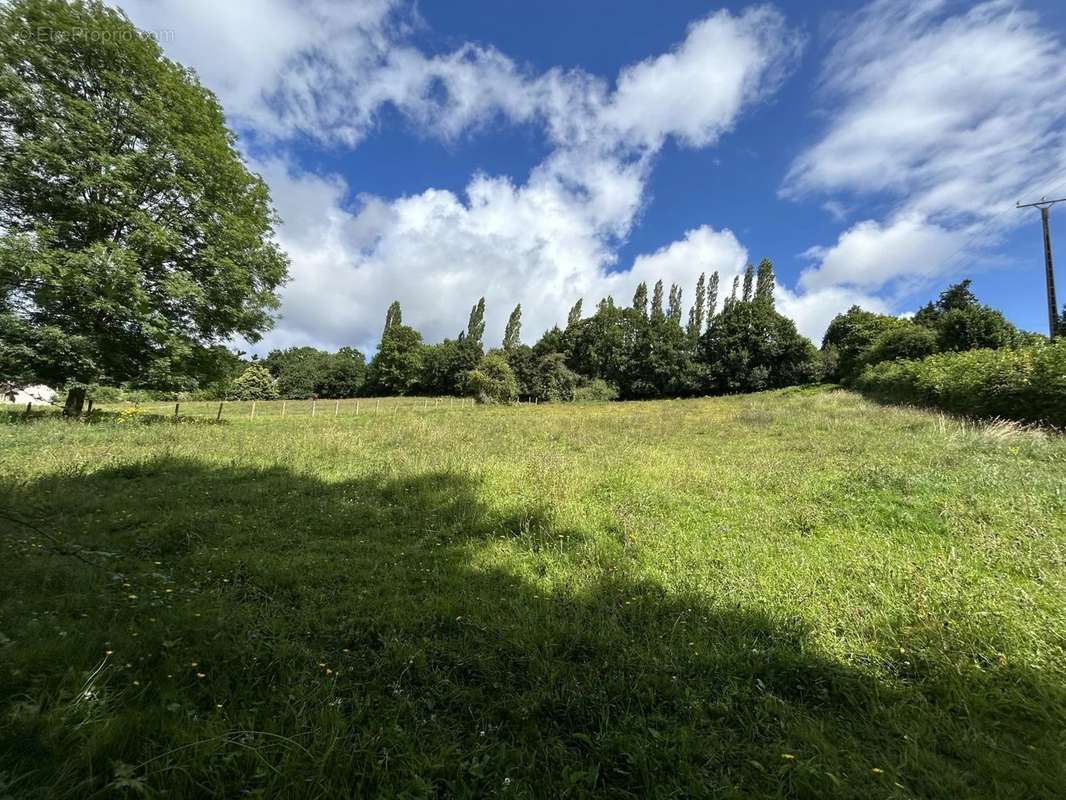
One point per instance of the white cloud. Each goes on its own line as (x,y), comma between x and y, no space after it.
(697,90)
(950,117)
(327,68)
(544,240)
(870,254)
(813,310)
(437,253)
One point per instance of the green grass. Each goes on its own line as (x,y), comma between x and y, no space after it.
(795,594)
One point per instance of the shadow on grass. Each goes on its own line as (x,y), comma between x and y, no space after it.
(99,417)
(273,633)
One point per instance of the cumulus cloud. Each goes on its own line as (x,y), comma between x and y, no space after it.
(438,252)
(870,254)
(695,91)
(950,118)
(328,69)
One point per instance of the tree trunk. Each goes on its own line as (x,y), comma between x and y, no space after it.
(75,402)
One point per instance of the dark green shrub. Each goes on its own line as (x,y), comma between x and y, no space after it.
(596,391)
(1027,384)
(907,341)
(493,381)
(554,381)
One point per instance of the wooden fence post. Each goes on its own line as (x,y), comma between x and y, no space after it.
(90,409)
(336,407)
(253,409)
(312,406)
(218,416)
(176,407)
(283,402)
(29,406)
(377,406)
(357,406)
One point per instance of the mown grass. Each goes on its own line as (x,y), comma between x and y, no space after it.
(796,594)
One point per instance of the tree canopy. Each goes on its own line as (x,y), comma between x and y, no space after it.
(134,236)
(956,321)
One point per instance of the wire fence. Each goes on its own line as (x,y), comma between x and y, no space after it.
(279,409)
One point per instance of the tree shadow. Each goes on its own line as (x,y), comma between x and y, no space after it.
(132,416)
(272,632)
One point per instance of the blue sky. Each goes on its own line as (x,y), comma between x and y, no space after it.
(541,152)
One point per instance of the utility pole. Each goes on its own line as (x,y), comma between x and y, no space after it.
(1052,304)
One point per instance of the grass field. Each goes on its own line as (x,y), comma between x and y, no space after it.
(794,594)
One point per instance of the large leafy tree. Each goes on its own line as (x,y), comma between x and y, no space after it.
(712,296)
(475,326)
(597,347)
(698,310)
(399,363)
(574,316)
(764,282)
(304,372)
(640,299)
(850,338)
(134,236)
(446,363)
(961,322)
(750,347)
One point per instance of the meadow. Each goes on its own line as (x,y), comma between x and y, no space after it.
(792,594)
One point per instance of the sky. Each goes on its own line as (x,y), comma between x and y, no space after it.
(437,152)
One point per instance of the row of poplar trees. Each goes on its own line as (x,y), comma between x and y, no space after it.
(648,349)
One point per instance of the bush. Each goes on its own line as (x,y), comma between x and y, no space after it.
(106,394)
(493,381)
(554,382)
(596,391)
(1027,384)
(255,383)
(906,341)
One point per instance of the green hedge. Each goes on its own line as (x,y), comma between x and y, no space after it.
(1027,384)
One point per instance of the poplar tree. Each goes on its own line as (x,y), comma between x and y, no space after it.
(393,316)
(695,315)
(674,312)
(712,297)
(749,275)
(640,299)
(512,334)
(475,327)
(657,301)
(764,283)
(574,316)
(736,289)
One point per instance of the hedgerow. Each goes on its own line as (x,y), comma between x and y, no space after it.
(1027,384)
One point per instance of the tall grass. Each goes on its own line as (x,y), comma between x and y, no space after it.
(796,594)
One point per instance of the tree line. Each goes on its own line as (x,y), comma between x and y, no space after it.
(641,351)
(647,349)
(955,322)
